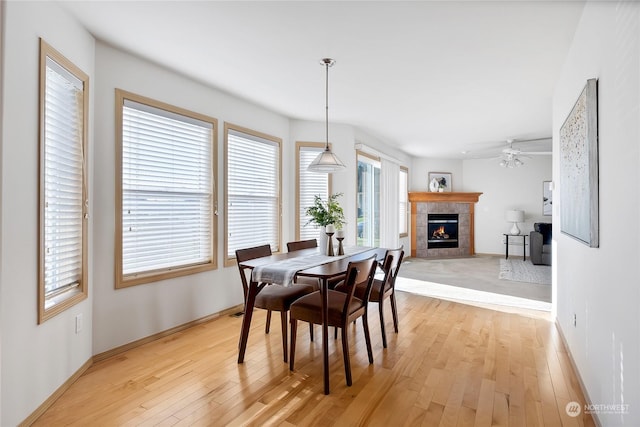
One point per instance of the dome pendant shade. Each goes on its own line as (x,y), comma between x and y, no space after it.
(326,161)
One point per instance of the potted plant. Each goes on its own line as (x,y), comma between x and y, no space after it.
(327,212)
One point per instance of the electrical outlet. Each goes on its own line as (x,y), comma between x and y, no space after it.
(78,323)
(575,320)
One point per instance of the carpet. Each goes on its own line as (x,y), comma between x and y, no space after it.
(524,271)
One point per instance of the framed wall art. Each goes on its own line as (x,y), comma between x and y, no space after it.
(579,168)
(439,181)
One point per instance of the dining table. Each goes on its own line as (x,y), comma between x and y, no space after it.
(282,268)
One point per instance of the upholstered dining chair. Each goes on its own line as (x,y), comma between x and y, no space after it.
(273,297)
(383,288)
(343,308)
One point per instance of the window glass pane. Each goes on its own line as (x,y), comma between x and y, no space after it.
(253,192)
(368,202)
(310,185)
(167,190)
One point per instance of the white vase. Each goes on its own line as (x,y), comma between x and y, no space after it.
(322,239)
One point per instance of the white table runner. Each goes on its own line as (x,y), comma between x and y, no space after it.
(283,272)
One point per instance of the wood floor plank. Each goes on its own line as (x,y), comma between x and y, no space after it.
(451,364)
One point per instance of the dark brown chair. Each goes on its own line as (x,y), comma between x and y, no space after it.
(343,308)
(274,297)
(384,288)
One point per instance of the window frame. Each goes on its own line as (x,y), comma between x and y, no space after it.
(63,299)
(299,147)
(405,170)
(159,274)
(231,260)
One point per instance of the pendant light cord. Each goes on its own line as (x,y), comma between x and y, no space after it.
(326,109)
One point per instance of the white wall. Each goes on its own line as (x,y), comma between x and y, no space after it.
(36,359)
(420,168)
(503,189)
(601,285)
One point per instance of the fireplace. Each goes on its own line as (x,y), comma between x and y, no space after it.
(442,231)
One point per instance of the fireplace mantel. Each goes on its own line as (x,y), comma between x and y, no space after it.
(422,203)
(444,197)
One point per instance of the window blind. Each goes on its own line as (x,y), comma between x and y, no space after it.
(63,180)
(167,189)
(310,185)
(253,195)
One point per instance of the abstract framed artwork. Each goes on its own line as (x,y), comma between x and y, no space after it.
(439,181)
(579,168)
(547,198)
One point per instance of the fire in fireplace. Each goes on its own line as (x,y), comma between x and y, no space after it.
(442,231)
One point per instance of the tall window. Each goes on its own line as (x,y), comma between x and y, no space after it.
(309,185)
(165,204)
(368,202)
(403,199)
(63,184)
(253,190)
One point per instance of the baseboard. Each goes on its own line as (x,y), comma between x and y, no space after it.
(115,351)
(126,347)
(596,420)
(56,394)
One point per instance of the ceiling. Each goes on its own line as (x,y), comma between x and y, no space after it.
(433,79)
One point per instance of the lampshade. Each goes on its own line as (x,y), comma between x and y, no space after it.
(326,161)
(515,216)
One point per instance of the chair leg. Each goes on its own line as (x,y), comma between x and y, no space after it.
(367,337)
(384,335)
(268,323)
(347,361)
(394,311)
(294,330)
(311,331)
(283,321)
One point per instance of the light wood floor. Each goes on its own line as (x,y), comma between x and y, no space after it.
(451,365)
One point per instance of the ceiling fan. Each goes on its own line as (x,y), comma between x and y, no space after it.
(511,157)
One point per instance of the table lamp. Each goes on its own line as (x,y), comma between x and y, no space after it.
(515,216)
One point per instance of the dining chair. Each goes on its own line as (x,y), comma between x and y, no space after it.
(343,308)
(307,244)
(273,297)
(383,288)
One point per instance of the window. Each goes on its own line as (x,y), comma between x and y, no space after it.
(403,202)
(309,185)
(368,202)
(253,190)
(165,204)
(62,280)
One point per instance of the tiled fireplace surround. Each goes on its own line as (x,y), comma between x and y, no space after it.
(425,203)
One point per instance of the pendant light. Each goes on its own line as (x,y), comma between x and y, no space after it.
(327,161)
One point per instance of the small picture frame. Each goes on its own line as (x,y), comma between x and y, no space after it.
(440,182)
(547,198)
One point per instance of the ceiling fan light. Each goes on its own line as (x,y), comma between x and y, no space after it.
(503,163)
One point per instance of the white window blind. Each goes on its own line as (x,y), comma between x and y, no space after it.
(403,199)
(63,181)
(310,185)
(167,190)
(253,192)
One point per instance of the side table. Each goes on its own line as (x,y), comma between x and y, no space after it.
(506,245)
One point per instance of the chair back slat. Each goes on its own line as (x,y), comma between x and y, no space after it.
(359,273)
(391,267)
(246,255)
(302,244)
